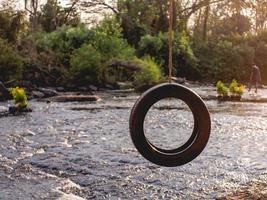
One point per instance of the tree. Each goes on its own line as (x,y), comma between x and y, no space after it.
(32,6)
(258,9)
(53,15)
(235,24)
(7,5)
(13,24)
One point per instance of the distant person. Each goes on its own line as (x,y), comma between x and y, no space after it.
(255,77)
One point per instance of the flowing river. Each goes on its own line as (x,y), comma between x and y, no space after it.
(84,151)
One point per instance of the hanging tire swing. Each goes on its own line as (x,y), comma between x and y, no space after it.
(194,145)
(202,124)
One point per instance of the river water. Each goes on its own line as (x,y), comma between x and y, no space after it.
(84,151)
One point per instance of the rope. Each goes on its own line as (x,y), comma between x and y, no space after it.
(170,39)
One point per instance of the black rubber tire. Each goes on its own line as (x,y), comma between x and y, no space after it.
(195,144)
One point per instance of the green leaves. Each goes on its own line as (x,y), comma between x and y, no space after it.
(150,73)
(19,97)
(184,60)
(104,43)
(10,62)
(86,65)
(235,88)
(222,90)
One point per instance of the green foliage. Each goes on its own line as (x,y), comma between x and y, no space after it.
(59,49)
(10,62)
(63,41)
(107,39)
(224,60)
(233,86)
(142,17)
(236,89)
(151,45)
(103,44)
(240,90)
(86,65)
(149,75)
(19,97)
(184,60)
(109,27)
(235,24)
(222,90)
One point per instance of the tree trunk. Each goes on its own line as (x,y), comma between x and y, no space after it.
(205,23)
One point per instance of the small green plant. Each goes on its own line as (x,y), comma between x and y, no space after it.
(236,89)
(222,90)
(240,90)
(233,87)
(150,73)
(19,97)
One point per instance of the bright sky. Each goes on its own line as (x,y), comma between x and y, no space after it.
(20,3)
(86,17)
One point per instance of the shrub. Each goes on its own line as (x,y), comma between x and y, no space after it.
(224,60)
(19,97)
(86,65)
(151,45)
(149,75)
(184,60)
(10,62)
(222,90)
(236,89)
(107,39)
(63,41)
(233,86)
(240,90)
(80,50)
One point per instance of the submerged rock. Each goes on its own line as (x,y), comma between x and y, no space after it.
(71,98)
(92,88)
(3,109)
(125,85)
(37,95)
(48,92)
(18,110)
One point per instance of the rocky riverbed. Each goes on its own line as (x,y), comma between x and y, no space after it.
(82,150)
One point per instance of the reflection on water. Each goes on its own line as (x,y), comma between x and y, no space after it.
(85,149)
(169,124)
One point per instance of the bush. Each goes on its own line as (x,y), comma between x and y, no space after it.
(184,60)
(222,90)
(149,75)
(86,65)
(63,41)
(224,60)
(103,43)
(151,45)
(10,62)
(236,89)
(107,39)
(19,97)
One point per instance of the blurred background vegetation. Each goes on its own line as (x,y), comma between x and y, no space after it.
(53,44)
